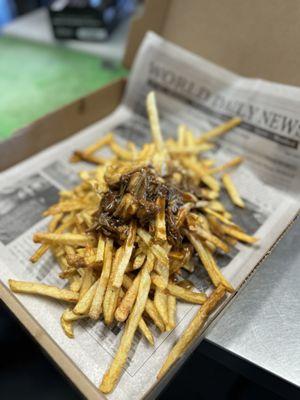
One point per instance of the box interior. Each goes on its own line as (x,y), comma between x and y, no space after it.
(249,38)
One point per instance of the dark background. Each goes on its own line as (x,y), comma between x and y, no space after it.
(27,373)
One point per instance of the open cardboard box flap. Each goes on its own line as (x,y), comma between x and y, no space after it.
(232,34)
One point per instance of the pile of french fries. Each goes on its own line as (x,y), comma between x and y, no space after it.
(122,245)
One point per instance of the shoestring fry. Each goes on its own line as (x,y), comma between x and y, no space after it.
(123,236)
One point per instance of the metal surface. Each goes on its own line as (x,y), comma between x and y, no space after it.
(263,323)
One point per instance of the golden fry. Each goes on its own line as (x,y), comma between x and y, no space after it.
(63,238)
(151,310)
(96,307)
(135,223)
(206,235)
(112,293)
(160,223)
(75,283)
(67,327)
(198,148)
(161,304)
(139,261)
(70,316)
(178,291)
(171,313)
(232,163)
(120,152)
(154,122)
(156,249)
(237,234)
(209,263)
(128,300)
(232,191)
(100,248)
(83,306)
(192,330)
(112,375)
(43,290)
(146,331)
(219,130)
(128,248)
(90,158)
(88,151)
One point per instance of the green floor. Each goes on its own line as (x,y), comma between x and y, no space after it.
(37,78)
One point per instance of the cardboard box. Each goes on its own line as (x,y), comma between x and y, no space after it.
(230,33)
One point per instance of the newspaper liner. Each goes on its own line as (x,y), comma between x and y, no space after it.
(194,91)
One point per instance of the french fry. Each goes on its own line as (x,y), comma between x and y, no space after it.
(219,216)
(163,272)
(75,283)
(39,253)
(154,315)
(206,235)
(87,281)
(67,327)
(209,194)
(150,309)
(83,306)
(96,307)
(179,292)
(66,321)
(201,173)
(216,206)
(209,263)
(232,163)
(156,249)
(198,148)
(181,135)
(112,375)
(219,130)
(112,293)
(237,234)
(128,300)
(53,224)
(232,191)
(192,330)
(135,223)
(171,313)
(128,248)
(65,206)
(154,122)
(161,304)
(138,261)
(160,222)
(43,290)
(133,149)
(104,141)
(100,248)
(208,163)
(52,228)
(63,238)
(146,331)
(120,152)
(88,151)
(90,158)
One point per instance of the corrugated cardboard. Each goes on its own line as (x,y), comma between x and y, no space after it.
(252,38)
(256,38)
